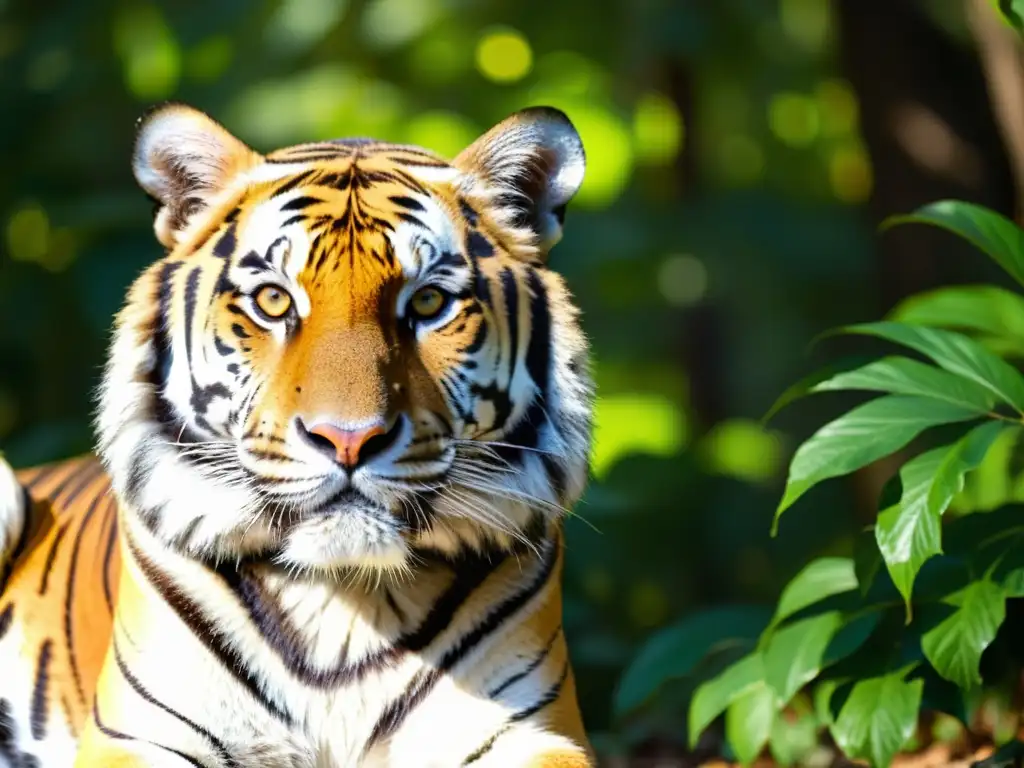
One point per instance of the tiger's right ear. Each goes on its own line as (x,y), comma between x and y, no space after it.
(182,159)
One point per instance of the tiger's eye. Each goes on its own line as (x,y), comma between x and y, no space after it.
(427,303)
(273,302)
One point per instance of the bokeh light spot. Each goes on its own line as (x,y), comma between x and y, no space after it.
(390,23)
(635,422)
(210,59)
(849,173)
(28,233)
(609,155)
(568,74)
(442,56)
(657,129)
(443,132)
(296,25)
(743,449)
(682,280)
(837,106)
(805,22)
(503,55)
(150,54)
(793,118)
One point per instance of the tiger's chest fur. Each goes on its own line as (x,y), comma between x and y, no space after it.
(249,666)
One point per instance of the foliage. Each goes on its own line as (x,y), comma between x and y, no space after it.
(727,215)
(871,645)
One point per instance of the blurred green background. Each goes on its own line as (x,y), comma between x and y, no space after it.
(741,154)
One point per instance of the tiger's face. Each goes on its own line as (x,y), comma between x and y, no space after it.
(353,351)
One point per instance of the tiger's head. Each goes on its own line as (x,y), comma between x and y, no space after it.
(352,351)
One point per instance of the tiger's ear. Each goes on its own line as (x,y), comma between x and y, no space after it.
(182,159)
(535,159)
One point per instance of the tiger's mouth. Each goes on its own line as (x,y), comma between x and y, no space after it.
(345,501)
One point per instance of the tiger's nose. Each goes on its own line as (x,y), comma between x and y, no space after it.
(348,447)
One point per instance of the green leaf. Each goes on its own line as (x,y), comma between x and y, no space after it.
(818,580)
(823,693)
(748,722)
(675,651)
(908,533)
(806,384)
(793,656)
(853,634)
(903,376)
(715,695)
(867,560)
(792,741)
(865,434)
(990,232)
(954,646)
(986,309)
(1012,11)
(956,353)
(878,718)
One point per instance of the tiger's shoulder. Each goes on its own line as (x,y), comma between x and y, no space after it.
(59,562)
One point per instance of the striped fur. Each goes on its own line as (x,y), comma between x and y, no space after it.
(222,590)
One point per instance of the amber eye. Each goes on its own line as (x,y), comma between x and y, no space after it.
(273,302)
(428,302)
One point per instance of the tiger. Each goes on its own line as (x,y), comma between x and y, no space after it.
(340,424)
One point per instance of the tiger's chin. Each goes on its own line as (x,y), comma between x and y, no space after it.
(351,534)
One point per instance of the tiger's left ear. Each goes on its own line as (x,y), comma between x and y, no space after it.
(183,159)
(535,160)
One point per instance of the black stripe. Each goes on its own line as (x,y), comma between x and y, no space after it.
(191,286)
(537,661)
(548,698)
(114,734)
(538,351)
(90,468)
(91,472)
(137,686)
(70,594)
(108,554)
(470,572)
(410,181)
(300,203)
(205,631)
(478,246)
(510,290)
(411,219)
(43,474)
(40,701)
(394,715)
(407,202)
(162,369)
(294,182)
(5,619)
(51,556)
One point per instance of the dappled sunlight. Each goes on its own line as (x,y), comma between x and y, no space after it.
(151,56)
(503,55)
(631,423)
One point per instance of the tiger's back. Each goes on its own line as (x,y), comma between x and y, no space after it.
(56,607)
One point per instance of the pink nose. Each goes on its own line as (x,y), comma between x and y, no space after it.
(344,445)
